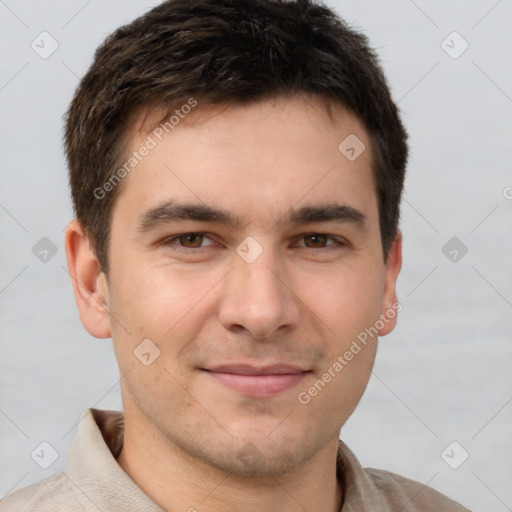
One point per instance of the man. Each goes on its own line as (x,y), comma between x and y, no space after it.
(236,170)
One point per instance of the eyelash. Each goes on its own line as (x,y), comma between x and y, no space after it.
(171,241)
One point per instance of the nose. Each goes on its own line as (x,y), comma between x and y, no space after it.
(258,298)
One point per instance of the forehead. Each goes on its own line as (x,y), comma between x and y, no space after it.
(268,155)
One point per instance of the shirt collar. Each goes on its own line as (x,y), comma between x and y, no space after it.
(95,473)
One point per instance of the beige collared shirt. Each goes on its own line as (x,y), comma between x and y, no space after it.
(94,482)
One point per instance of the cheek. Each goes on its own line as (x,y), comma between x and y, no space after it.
(157,300)
(336,390)
(347,300)
(349,307)
(161,304)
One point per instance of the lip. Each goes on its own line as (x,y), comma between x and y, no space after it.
(260,382)
(247,369)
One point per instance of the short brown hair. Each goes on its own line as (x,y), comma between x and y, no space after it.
(220,52)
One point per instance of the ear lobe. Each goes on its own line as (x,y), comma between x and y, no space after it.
(89,281)
(390,305)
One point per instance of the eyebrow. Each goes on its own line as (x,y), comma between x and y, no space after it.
(172,211)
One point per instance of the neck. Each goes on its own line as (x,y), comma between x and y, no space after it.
(178,481)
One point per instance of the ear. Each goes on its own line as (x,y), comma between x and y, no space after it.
(89,282)
(390,305)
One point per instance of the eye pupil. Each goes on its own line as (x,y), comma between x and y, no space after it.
(316,239)
(192,240)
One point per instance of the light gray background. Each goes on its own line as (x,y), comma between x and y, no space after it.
(443,375)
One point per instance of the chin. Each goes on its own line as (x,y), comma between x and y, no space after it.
(257,459)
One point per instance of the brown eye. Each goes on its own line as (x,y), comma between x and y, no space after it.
(315,240)
(187,241)
(191,240)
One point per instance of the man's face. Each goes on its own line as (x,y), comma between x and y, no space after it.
(293,281)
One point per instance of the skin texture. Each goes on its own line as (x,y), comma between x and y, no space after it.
(302,301)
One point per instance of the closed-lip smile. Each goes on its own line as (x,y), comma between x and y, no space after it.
(262,381)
